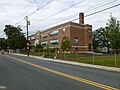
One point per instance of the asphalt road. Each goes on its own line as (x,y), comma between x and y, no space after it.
(25,73)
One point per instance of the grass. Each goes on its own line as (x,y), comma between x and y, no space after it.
(98,60)
(36,53)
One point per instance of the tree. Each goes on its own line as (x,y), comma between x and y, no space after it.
(113,32)
(65,44)
(108,36)
(95,40)
(3,43)
(38,47)
(100,38)
(12,31)
(15,38)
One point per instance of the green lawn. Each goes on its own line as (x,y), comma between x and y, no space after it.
(97,60)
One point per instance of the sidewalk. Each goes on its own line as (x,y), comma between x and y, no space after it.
(74,63)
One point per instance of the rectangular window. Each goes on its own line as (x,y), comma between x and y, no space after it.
(76,40)
(53,42)
(63,30)
(44,36)
(54,33)
(33,38)
(33,44)
(44,43)
(89,31)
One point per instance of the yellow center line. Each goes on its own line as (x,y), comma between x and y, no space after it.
(105,87)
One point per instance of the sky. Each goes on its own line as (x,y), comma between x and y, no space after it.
(44,14)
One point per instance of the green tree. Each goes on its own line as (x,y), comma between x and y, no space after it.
(3,43)
(12,31)
(95,40)
(65,44)
(100,38)
(113,32)
(108,36)
(38,47)
(15,38)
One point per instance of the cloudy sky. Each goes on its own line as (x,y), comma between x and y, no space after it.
(47,13)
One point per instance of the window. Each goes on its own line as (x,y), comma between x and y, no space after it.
(76,40)
(44,43)
(33,38)
(53,42)
(33,44)
(89,31)
(63,30)
(54,33)
(44,36)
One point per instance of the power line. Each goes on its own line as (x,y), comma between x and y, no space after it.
(73,6)
(102,10)
(40,8)
(98,11)
(35,11)
(54,23)
(99,5)
(59,12)
(86,15)
(34,2)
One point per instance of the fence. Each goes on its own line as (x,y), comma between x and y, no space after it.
(112,59)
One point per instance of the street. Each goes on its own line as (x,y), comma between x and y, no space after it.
(26,73)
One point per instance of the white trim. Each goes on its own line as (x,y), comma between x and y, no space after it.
(44,35)
(69,26)
(48,30)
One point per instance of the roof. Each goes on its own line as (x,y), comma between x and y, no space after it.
(63,25)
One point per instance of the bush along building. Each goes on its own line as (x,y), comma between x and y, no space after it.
(79,35)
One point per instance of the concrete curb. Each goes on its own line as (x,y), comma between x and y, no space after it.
(75,63)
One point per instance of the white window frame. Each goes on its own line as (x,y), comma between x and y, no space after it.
(53,42)
(54,33)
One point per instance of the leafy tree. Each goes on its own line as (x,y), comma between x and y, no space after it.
(95,40)
(100,38)
(15,38)
(65,44)
(12,31)
(38,47)
(108,36)
(113,32)
(3,43)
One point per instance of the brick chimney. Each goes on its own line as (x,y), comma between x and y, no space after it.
(81,18)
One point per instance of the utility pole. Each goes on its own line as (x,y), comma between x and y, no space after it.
(28,44)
